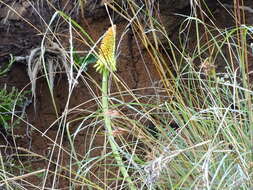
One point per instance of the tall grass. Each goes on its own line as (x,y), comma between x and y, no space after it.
(200,114)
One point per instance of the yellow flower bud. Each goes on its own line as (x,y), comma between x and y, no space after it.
(106,58)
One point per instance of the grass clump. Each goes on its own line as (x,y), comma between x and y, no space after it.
(10,102)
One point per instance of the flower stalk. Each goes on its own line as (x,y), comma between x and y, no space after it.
(107,63)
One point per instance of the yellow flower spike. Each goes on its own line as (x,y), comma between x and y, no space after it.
(106,58)
(107,63)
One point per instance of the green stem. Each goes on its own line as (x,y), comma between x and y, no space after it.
(108,126)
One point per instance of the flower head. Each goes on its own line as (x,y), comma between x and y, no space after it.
(106,58)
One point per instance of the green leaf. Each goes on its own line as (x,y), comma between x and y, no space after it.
(85,61)
(6,68)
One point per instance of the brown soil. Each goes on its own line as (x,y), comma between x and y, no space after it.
(135,67)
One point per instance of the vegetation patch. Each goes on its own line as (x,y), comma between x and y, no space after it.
(164,104)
